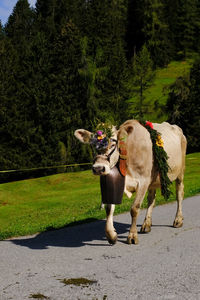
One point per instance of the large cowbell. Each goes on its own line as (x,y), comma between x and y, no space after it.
(112,186)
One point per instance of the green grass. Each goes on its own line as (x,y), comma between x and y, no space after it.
(156,92)
(36,205)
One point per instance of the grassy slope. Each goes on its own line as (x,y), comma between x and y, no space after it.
(155,93)
(35,205)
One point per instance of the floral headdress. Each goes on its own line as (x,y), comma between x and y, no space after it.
(101,137)
(99,140)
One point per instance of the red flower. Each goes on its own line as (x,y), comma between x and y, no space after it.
(149,124)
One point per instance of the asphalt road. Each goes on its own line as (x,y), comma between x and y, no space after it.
(164,265)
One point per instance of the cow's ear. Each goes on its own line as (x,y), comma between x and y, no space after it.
(83,135)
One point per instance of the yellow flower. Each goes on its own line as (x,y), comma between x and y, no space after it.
(159,141)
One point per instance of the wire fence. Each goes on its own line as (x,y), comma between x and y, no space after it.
(42,168)
(27,173)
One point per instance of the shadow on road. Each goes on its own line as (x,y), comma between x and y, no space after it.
(92,234)
(75,236)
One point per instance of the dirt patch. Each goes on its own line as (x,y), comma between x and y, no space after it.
(38,296)
(4,203)
(78,281)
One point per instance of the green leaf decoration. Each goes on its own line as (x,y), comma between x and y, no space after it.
(160,157)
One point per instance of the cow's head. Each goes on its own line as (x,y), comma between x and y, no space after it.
(106,150)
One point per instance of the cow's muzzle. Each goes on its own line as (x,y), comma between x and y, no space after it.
(98,170)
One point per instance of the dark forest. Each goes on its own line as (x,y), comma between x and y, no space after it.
(66,64)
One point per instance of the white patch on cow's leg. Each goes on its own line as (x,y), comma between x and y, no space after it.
(102,205)
(135,209)
(110,230)
(146,227)
(178,222)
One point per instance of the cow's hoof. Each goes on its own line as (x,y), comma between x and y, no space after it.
(131,240)
(178,223)
(111,240)
(145,228)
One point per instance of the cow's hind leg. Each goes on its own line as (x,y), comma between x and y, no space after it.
(146,227)
(133,234)
(178,222)
(110,230)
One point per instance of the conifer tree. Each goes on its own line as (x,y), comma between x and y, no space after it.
(147,24)
(45,11)
(156,31)
(183,20)
(8,104)
(143,75)
(116,88)
(68,93)
(183,106)
(70,10)
(135,37)
(20,22)
(90,74)
(186,29)
(192,110)
(1,31)
(106,46)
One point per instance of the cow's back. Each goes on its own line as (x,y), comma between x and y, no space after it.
(175,146)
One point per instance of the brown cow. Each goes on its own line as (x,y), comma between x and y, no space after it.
(141,173)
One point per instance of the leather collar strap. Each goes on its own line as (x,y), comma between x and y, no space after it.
(122,157)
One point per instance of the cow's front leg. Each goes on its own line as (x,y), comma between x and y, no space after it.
(146,226)
(135,209)
(110,230)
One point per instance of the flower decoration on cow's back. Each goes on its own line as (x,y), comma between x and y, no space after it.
(160,157)
(101,137)
(159,141)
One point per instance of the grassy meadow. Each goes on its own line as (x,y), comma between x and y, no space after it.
(155,96)
(51,202)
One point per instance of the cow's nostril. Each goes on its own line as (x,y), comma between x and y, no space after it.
(98,169)
(94,170)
